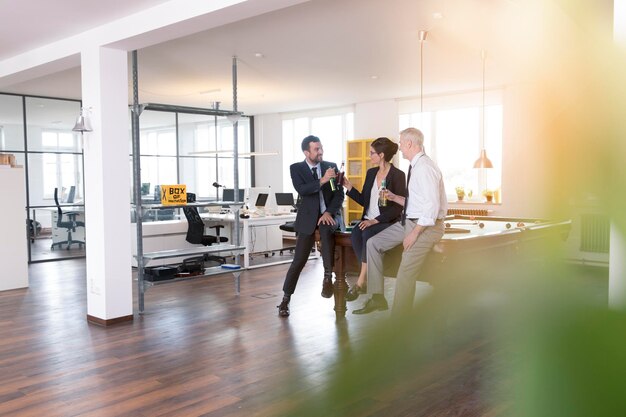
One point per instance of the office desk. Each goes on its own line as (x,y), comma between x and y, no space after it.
(499,240)
(258,233)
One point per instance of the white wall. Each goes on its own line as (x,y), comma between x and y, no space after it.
(524,166)
(375,119)
(268,136)
(13,244)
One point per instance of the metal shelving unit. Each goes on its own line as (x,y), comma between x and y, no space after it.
(144,258)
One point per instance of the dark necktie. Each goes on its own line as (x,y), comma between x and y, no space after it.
(322,202)
(406,199)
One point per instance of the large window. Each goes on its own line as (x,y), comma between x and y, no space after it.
(453,140)
(61,169)
(333,128)
(53,153)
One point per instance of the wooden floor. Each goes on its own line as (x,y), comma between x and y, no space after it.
(200,350)
(41,250)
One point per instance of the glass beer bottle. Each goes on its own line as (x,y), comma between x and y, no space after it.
(382,194)
(341,174)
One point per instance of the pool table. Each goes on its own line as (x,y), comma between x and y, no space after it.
(466,237)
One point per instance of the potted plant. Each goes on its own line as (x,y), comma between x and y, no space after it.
(460,193)
(488,195)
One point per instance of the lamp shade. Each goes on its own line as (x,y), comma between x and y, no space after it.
(483,161)
(82,121)
(82,125)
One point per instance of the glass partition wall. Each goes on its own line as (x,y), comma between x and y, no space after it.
(38,131)
(191,149)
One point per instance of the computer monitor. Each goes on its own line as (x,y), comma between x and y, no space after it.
(261,200)
(71,195)
(228,194)
(157,193)
(284,199)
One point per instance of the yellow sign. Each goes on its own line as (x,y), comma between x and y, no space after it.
(173,195)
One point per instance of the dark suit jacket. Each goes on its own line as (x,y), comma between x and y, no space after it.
(395,182)
(308,188)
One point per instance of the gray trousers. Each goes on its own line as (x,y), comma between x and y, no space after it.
(410,266)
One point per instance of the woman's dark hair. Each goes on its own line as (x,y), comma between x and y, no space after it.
(386,146)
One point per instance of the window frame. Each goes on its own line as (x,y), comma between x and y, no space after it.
(292,136)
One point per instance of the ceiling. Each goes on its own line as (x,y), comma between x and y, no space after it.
(317,54)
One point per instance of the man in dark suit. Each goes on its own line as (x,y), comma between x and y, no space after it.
(320,206)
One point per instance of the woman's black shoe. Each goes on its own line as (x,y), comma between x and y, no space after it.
(354,292)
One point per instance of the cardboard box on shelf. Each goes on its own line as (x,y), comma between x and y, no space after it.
(7,159)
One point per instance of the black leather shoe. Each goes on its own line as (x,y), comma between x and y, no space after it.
(327,288)
(354,292)
(372,305)
(283,308)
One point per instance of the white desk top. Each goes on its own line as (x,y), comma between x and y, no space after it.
(252,219)
(67,208)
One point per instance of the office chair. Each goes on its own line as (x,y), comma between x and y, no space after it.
(195,229)
(287,227)
(34,229)
(70,224)
(217,228)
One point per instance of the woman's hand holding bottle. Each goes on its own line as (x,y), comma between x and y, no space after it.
(346,183)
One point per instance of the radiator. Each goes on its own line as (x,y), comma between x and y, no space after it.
(594,233)
(468,212)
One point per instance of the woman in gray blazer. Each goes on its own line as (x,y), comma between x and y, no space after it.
(375,217)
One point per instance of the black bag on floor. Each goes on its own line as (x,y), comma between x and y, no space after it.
(214,260)
(192,265)
(160,273)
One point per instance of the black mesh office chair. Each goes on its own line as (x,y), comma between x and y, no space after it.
(289,226)
(195,229)
(70,224)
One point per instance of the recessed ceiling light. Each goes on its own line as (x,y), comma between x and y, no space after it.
(213,90)
(374,77)
(437,15)
(259,55)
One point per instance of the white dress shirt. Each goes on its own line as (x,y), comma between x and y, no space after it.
(427,196)
(373,210)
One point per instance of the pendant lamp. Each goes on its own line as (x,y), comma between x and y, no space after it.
(83,124)
(422,37)
(483,161)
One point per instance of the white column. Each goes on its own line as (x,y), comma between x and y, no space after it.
(617,269)
(619,22)
(617,254)
(107,185)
